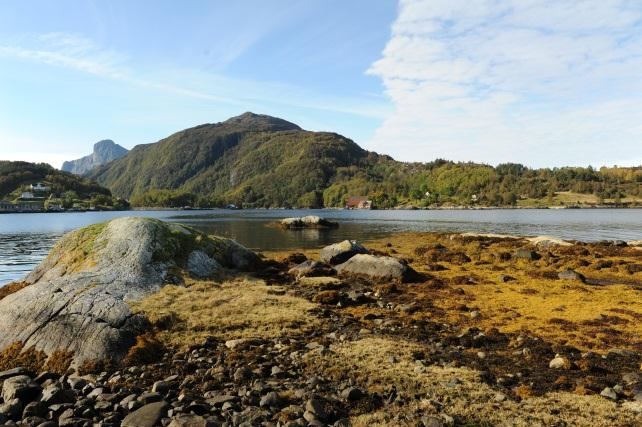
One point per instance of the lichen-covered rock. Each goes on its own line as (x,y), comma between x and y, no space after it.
(310,221)
(78,296)
(200,265)
(341,252)
(377,268)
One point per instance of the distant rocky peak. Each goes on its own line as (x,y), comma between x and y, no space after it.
(104,152)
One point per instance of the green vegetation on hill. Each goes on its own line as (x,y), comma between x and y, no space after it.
(261,161)
(67,189)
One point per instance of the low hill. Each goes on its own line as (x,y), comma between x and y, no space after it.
(261,161)
(18,176)
(104,152)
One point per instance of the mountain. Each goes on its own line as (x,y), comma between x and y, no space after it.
(251,158)
(261,161)
(104,152)
(16,177)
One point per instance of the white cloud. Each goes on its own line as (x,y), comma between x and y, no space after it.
(534,81)
(82,54)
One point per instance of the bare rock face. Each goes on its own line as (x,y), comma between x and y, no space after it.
(104,152)
(78,296)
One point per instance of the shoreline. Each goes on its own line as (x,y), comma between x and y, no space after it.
(445,208)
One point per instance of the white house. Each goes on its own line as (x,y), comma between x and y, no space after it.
(27,195)
(39,187)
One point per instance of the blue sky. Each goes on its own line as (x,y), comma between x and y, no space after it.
(75,72)
(541,82)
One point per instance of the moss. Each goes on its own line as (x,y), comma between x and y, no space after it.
(76,250)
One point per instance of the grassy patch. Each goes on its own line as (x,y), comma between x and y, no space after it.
(239,308)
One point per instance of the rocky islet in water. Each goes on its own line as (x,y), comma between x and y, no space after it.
(297,341)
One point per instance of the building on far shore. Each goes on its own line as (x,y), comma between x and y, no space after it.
(35,206)
(6,206)
(358,202)
(27,195)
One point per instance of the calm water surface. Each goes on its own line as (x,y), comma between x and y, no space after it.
(26,238)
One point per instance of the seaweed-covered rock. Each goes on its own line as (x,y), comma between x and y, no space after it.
(310,221)
(77,298)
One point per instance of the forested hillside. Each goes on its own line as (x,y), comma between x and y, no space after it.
(17,176)
(260,161)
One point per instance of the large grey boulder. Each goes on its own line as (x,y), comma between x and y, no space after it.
(21,387)
(341,252)
(78,297)
(377,268)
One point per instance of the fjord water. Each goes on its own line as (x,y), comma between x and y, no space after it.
(25,239)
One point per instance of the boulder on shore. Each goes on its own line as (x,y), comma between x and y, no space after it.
(341,252)
(310,221)
(77,298)
(310,268)
(377,268)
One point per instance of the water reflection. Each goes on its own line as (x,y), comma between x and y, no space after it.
(25,239)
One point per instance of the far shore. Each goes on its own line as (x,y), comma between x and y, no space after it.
(400,208)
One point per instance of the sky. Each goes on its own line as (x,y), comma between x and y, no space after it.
(543,83)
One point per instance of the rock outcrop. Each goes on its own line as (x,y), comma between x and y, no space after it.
(310,221)
(77,299)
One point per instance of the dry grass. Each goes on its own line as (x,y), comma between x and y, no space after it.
(470,402)
(239,308)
